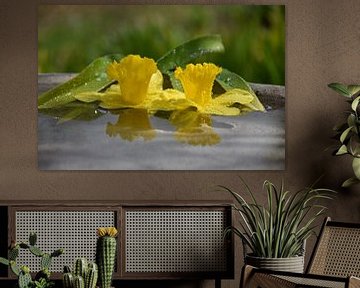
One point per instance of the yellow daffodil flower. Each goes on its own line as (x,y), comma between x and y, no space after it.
(138,83)
(197,82)
(132,124)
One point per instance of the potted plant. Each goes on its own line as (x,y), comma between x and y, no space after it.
(42,278)
(349,132)
(276,233)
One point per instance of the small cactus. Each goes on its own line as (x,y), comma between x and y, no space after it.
(106,254)
(83,274)
(79,282)
(24,277)
(91,276)
(80,267)
(68,280)
(42,278)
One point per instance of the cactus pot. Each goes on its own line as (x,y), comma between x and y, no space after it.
(291,264)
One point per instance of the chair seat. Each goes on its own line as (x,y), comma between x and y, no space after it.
(267,279)
(315,282)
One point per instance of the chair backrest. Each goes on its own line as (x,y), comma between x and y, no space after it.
(337,251)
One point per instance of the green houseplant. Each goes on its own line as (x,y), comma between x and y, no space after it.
(348,133)
(42,278)
(275,233)
(84,274)
(106,254)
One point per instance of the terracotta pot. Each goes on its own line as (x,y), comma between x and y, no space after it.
(291,264)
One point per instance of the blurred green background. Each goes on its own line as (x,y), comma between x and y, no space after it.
(71,36)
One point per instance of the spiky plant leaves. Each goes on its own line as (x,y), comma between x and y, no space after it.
(280,228)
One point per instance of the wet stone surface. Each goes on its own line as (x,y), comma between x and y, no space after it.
(134,140)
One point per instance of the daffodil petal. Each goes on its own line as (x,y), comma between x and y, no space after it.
(233,96)
(197,81)
(112,100)
(167,100)
(156,82)
(256,105)
(221,110)
(133,74)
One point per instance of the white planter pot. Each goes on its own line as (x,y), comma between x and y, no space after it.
(291,264)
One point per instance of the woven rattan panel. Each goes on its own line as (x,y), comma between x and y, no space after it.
(338,253)
(75,231)
(175,241)
(313,282)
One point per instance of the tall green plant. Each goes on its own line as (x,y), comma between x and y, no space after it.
(349,132)
(279,229)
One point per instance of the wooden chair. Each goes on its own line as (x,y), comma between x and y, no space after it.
(334,263)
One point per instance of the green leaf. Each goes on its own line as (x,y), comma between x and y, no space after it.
(4,261)
(229,80)
(353,89)
(355,103)
(354,145)
(175,83)
(341,89)
(342,150)
(92,78)
(349,182)
(351,120)
(356,167)
(345,134)
(74,110)
(190,51)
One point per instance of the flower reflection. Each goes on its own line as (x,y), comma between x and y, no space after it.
(131,125)
(194,128)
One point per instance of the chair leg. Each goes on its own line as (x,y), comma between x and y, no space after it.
(250,278)
(246,273)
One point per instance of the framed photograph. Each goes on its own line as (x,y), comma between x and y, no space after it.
(161,87)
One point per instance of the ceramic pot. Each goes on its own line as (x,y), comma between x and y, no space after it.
(291,264)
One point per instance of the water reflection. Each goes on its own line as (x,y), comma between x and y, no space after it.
(191,127)
(194,128)
(131,124)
